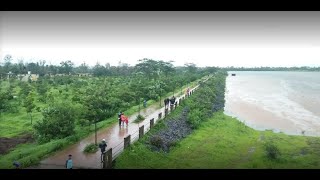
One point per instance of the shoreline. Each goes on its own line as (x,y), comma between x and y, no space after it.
(261,119)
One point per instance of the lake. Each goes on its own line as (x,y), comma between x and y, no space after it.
(287,102)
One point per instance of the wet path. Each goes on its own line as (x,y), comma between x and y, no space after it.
(114,136)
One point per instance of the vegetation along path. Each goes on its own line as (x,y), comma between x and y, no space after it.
(114,136)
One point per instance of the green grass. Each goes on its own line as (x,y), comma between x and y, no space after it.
(15,124)
(224,142)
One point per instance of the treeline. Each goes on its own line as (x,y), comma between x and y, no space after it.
(302,68)
(67,67)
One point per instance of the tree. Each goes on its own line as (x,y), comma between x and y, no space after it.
(96,107)
(58,122)
(149,67)
(66,67)
(99,70)
(83,68)
(4,99)
(137,85)
(33,67)
(29,104)
(7,63)
(42,69)
(166,68)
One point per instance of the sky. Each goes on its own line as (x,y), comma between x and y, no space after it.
(209,38)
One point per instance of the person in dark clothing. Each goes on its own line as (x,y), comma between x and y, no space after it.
(16,164)
(173,100)
(102,147)
(119,118)
(166,102)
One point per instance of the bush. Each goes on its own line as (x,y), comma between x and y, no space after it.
(139,118)
(58,122)
(38,109)
(156,141)
(91,148)
(272,150)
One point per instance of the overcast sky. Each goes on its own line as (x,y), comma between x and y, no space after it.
(205,38)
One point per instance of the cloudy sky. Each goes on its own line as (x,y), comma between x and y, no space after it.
(205,38)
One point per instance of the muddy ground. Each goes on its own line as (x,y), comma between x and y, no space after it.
(6,144)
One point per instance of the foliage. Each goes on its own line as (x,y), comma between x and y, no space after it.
(29,104)
(156,141)
(206,100)
(272,151)
(58,122)
(91,148)
(4,98)
(112,91)
(139,118)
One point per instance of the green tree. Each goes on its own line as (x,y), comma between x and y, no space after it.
(58,122)
(96,107)
(4,102)
(83,68)
(66,67)
(7,63)
(29,104)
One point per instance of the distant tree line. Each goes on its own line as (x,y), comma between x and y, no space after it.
(302,68)
(67,67)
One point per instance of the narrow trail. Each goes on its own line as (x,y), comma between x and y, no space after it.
(114,136)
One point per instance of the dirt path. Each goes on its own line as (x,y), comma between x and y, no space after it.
(114,136)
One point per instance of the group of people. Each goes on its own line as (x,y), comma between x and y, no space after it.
(123,119)
(168,102)
(188,92)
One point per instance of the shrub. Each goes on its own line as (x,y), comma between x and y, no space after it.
(139,118)
(156,141)
(58,122)
(90,148)
(272,150)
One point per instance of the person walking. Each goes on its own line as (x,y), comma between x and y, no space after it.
(166,103)
(119,118)
(102,147)
(145,103)
(69,162)
(124,119)
(188,92)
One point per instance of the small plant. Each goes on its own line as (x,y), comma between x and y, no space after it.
(139,118)
(272,150)
(156,141)
(91,148)
(38,109)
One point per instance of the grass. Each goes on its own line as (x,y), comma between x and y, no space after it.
(30,154)
(16,124)
(224,142)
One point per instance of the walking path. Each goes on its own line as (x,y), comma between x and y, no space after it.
(114,136)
